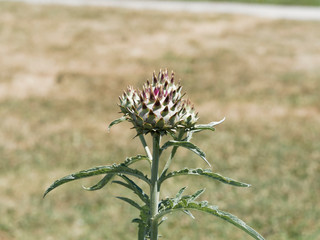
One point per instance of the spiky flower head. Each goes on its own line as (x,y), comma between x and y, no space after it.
(158,107)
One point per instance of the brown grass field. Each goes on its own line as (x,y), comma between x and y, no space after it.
(62,70)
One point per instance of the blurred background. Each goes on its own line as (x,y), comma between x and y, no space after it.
(62,69)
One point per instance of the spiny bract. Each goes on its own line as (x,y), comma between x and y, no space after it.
(159,107)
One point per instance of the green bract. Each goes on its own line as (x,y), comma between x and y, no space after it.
(158,107)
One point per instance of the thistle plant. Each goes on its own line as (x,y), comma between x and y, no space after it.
(160,109)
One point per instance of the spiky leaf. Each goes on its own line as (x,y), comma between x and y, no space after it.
(179,194)
(134,187)
(206,173)
(114,169)
(144,228)
(184,205)
(131,160)
(196,195)
(104,181)
(119,120)
(188,213)
(130,201)
(209,126)
(187,145)
(108,177)
(201,127)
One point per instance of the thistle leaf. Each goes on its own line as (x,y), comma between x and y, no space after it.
(131,160)
(199,129)
(104,181)
(119,120)
(130,201)
(179,194)
(134,187)
(121,183)
(196,195)
(209,126)
(108,177)
(184,205)
(188,213)
(114,169)
(144,228)
(187,145)
(229,218)
(206,173)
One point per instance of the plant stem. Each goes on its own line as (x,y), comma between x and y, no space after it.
(154,192)
(145,146)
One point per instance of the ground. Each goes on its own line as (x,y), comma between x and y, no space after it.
(62,70)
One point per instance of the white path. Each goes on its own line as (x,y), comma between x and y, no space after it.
(267,11)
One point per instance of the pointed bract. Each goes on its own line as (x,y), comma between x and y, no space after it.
(159,107)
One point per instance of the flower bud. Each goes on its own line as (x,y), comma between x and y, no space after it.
(159,107)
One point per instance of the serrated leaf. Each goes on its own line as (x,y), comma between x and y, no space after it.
(135,188)
(108,177)
(187,145)
(131,160)
(201,127)
(203,203)
(196,195)
(179,194)
(119,120)
(188,213)
(130,201)
(104,181)
(144,228)
(114,169)
(209,126)
(204,207)
(206,173)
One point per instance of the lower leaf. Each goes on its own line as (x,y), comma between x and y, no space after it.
(185,205)
(203,172)
(108,177)
(114,169)
(130,201)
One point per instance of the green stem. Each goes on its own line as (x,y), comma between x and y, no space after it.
(145,146)
(142,232)
(154,191)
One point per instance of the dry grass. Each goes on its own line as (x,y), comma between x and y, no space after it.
(62,69)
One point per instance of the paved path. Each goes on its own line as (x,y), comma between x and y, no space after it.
(267,11)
